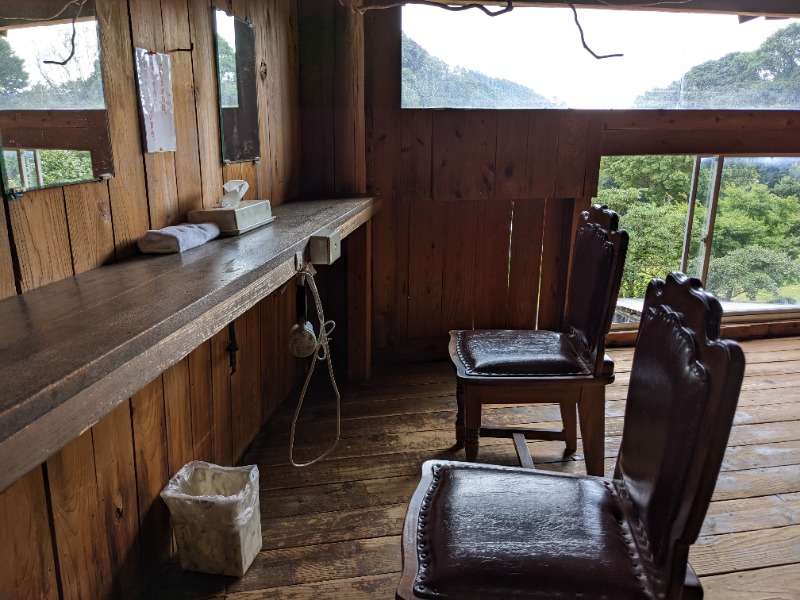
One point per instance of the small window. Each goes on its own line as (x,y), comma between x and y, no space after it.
(533,58)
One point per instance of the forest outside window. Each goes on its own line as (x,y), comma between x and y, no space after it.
(53,119)
(533,58)
(734,222)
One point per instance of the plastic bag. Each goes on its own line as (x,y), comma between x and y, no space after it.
(214,512)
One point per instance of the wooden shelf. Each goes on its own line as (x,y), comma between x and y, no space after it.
(73,350)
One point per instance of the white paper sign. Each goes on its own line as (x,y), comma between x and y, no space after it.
(155,99)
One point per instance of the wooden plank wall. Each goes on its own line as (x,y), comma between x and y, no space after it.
(88,523)
(479,206)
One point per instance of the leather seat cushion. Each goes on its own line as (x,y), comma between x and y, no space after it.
(526,352)
(492,532)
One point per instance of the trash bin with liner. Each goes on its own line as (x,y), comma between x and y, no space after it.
(214,512)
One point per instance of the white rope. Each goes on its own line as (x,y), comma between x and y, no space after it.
(321,352)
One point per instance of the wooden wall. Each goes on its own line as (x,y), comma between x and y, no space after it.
(479,206)
(88,523)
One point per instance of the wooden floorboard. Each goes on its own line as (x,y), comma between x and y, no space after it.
(332,530)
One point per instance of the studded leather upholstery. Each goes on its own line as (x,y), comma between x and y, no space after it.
(490,532)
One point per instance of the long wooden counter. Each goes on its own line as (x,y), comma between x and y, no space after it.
(73,350)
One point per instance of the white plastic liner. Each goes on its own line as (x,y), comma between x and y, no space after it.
(214,512)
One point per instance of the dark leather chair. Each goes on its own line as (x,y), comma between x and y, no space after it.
(491,532)
(535,366)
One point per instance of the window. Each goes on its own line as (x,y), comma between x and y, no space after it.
(53,121)
(734,222)
(533,58)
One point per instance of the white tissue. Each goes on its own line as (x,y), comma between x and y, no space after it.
(236,189)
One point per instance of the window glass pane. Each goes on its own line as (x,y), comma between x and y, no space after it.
(650,194)
(28,82)
(533,58)
(756,243)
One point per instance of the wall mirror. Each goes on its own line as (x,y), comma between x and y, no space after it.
(53,119)
(236,76)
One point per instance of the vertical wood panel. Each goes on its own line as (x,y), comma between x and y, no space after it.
(416,155)
(348,99)
(7,285)
(221,394)
(390,225)
(449,156)
(359,303)
(83,559)
(177,41)
(492,264)
(594,152)
(205,96)
(27,568)
(115,470)
(152,473)
(317,64)
(526,257)
(240,409)
(459,278)
(39,223)
(480,150)
(543,130)
(202,406)
(425,270)
(127,188)
(178,405)
(512,154)
(162,190)
(270,334)
(251,363)
(556,246)
(573,136)
(91,233)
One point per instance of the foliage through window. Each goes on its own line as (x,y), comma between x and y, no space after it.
(533,58)
(754,254)
(28,84)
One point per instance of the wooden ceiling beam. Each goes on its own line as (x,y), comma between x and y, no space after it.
(771,8)
(36,12)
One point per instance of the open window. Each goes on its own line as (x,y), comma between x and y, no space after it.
(534,58)
(734,222)
(53,119)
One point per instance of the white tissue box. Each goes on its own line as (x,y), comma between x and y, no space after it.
(233,221)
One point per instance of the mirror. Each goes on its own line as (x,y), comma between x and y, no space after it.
(236,77)
(53,119)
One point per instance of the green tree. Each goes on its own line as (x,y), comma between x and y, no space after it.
(768,77)
(226,72)
(659,179)
(755,272)
(656,241)
(65,166)
(429,82)
(13,76)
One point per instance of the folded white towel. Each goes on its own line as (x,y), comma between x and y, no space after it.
(177,238)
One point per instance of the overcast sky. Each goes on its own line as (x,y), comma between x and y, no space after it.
(541,48)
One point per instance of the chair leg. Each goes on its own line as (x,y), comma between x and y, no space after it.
(459,414)
(591,412)
(472,427)
(569,418)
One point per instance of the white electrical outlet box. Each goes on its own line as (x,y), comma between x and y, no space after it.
(325,246)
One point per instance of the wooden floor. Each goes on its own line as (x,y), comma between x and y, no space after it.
(332,530)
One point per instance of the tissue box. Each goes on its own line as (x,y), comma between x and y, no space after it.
(233,221)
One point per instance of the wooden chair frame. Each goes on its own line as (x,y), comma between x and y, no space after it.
(584,391)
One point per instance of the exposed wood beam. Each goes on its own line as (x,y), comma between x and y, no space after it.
(772,8)
(35,12)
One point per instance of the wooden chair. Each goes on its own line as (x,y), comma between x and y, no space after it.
(534,366)
(491,532)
